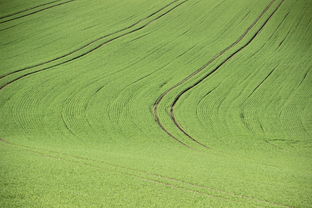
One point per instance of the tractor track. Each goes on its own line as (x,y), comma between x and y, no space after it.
(33,12)
(89,51)
(28,9)
(177,98)
(218,55)
(146,175)
(99,39)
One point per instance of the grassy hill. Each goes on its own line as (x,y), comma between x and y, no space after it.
(138,103)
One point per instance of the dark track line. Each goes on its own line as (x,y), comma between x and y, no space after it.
(25,10)
(260,84)
(90,43)
(8,28)
(177,98)
(87,52)
(34,12)
(165,93)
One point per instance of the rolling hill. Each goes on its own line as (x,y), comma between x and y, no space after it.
(167,103)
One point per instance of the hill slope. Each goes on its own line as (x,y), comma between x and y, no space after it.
(182,103)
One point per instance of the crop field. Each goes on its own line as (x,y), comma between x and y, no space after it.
(155,104)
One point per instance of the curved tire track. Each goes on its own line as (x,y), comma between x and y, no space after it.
(164,94)
(177,98)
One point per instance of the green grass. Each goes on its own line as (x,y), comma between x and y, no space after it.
(83,128)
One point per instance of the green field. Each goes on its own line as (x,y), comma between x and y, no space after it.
(155,104)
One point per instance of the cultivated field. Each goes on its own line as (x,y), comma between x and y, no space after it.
(164,103)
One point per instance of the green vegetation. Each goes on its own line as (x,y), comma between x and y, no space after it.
(182,103)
